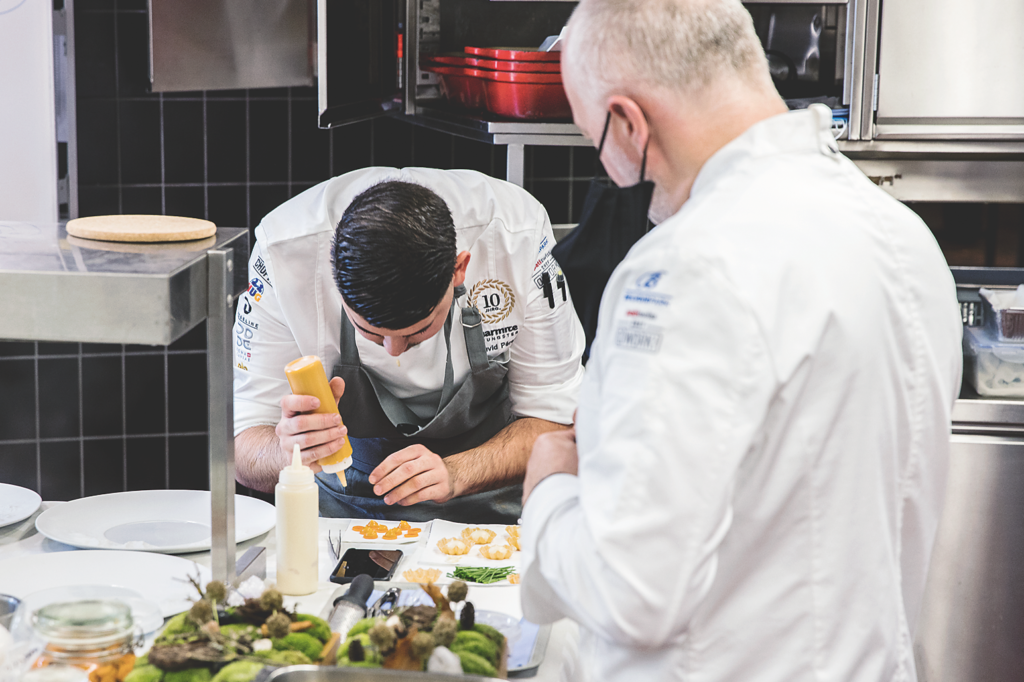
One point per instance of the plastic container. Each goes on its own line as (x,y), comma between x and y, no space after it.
(306,376)
(992,367)
(518,54)
(469,61)
(530,96)
(296,498)
(1004,321)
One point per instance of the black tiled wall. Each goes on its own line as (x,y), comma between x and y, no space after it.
(82,419)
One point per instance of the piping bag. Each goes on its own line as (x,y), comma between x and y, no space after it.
(306,376)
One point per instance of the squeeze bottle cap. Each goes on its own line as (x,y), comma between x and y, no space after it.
(296,473)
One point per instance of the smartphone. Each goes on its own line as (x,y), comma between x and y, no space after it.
(379,564)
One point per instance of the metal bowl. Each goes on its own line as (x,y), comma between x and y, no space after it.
(8,605)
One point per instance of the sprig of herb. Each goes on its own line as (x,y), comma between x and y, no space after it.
(481,574)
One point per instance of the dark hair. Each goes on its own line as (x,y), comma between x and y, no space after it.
(394,254)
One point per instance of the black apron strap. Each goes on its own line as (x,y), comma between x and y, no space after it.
(473,330)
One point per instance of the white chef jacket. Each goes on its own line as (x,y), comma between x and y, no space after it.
(293,308)
(763,432)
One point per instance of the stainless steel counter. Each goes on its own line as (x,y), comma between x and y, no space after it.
(972,618)
(59,288)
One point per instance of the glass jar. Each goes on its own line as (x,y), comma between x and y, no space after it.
(86,634)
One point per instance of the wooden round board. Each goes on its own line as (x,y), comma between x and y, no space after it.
(141,228)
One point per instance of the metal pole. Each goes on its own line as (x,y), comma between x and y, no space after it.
(411,56)
(514,168)
(222,443)
(71,93)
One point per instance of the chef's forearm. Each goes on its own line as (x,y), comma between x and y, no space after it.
(258,460)
(501,460)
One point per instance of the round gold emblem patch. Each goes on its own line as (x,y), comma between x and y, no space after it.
(493,298)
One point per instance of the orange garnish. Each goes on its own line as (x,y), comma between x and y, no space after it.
(358,529)
(369,534)
(393,534)
(404,525)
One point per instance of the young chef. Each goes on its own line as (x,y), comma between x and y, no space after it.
(760,452)
(426,294)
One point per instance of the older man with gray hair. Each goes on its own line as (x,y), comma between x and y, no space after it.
(755,479)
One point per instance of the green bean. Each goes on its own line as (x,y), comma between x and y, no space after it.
(482,574)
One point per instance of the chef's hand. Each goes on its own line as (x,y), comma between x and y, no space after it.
(318,435)
(413,474)
(553,453)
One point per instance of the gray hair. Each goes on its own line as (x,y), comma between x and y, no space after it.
(679,45)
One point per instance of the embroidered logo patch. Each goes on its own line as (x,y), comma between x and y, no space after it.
(256,289)
(649,280)
(261,268)
(493,298)
(638,336)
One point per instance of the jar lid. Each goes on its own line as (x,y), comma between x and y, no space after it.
(84,623)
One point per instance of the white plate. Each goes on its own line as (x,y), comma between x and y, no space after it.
(355,537)
(502,622)
(431,557)
(17,503)
(157,577)
(168,521)
(147,614)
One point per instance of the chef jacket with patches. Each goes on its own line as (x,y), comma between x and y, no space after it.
(293,307)
(763,432)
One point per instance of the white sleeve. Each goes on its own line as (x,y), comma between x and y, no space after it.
(678,384)
(263,346)
(545,373)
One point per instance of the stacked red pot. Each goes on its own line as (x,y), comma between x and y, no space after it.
(509,82)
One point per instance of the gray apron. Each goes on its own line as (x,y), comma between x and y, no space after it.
(380,424)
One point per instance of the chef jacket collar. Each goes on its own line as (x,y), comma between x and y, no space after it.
(806,131)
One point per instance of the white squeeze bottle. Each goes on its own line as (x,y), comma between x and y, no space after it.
(297,499)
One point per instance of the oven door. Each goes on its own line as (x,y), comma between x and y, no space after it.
(359,64)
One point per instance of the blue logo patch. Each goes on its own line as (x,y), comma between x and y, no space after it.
(256,289)
(650,280)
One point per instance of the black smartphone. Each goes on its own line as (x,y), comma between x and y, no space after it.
(379,564)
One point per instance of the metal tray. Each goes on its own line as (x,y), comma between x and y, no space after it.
(318,673)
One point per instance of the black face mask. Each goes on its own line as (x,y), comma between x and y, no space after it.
(614,218)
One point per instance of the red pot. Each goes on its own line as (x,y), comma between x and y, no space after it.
(496,64)
(531,96)
(516,54)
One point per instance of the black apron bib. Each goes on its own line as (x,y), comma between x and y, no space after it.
(380,424)
(614,218)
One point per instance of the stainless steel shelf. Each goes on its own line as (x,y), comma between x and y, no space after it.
(59,288)
(973,414)
(484,128)
(932,149)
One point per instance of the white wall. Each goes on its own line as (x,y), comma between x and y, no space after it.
(28,139)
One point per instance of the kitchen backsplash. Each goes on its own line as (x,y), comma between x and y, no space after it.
(83,419)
